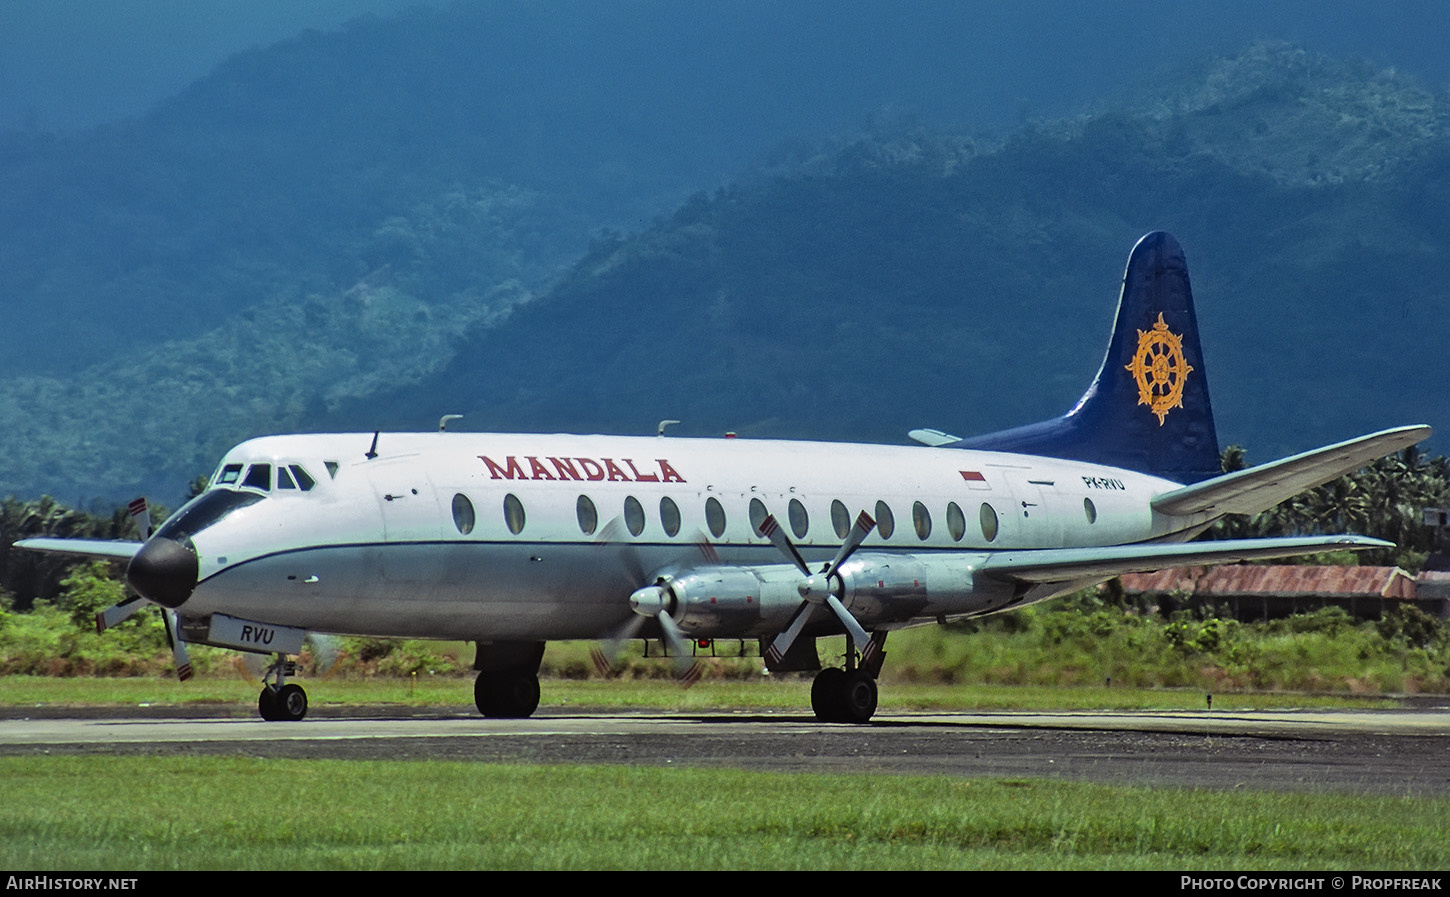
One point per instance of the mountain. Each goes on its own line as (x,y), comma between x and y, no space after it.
(916,279)
(303,243)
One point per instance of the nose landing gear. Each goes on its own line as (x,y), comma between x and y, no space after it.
(281,701)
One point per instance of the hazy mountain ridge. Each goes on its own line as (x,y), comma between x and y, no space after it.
(919,280)
(854,290)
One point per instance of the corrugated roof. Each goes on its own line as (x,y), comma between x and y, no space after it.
(1276,579)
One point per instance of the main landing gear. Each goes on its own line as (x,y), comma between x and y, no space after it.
(506,694)
(281,701)
(849,695)
(507,686)
(843,696)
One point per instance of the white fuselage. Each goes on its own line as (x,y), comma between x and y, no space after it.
(491,537)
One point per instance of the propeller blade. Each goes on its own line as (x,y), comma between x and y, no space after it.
(770,529)
(606,654)
(865,523)
(781,646)
(178,647)
(858,635)
(251,667)
(615,534)
(687,669)
(326,650)
(118,612)
(142,515)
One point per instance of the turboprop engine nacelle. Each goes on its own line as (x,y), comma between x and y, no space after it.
(875,588)
(879,588)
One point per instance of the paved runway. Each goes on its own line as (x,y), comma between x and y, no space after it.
(1388,752)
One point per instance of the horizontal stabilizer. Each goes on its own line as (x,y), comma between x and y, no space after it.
(1259,488)
(933,437)
(99,549)
(1066,564)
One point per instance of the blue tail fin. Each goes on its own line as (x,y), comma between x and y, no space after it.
(1148,407)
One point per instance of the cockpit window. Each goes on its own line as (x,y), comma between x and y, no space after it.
(205,510)
(228,475)
(284,479)
(259,476)
(304,482)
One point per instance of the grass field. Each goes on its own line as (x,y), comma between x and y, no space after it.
(140,813)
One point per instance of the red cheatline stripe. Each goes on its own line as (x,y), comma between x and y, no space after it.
(972,476)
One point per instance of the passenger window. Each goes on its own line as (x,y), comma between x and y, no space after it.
(885,522)
(840,519)
(633,516)
(588,516)
(758,513)
(463,514)
(259,477)
(921,519)
(513,513)
(229,474)
(715,517)
(956,522)
(1090,510)
(989,522)
(670,516)
(800,522)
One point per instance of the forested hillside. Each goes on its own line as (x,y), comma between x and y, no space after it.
(917,279)
(367,249)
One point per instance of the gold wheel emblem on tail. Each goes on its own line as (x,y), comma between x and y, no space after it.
(1159,369)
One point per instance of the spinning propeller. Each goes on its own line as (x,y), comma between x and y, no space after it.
(650,600)
(117,613)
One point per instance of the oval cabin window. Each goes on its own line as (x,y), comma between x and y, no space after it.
(715,517)
(956,522)
(463,513)
(513,513)
(989,522)
(588,516)
(921,519)
(633,516)
(758,513)
(840,519)
(800,522)
(885,522)
(670,516)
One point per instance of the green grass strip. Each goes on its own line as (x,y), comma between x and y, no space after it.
(138,813)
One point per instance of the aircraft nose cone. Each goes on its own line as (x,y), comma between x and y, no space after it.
(164,571)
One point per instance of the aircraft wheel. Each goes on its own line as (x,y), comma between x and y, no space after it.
(858,697)
(291,702)
(826,694)
(267,705)
(506,694)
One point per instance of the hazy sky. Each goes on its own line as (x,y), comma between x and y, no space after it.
(74,63)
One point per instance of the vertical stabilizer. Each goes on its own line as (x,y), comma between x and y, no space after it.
(1148,407)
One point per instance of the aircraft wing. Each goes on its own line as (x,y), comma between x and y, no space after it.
(1067,564)
(99,549)
(1258,488)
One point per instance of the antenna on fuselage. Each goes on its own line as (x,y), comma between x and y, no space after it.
(660,431)
(373,451)
(443,421)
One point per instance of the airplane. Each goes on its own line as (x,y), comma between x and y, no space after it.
(511,540)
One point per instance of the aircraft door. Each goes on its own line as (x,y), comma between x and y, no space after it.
(407,501)
(1039,508)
